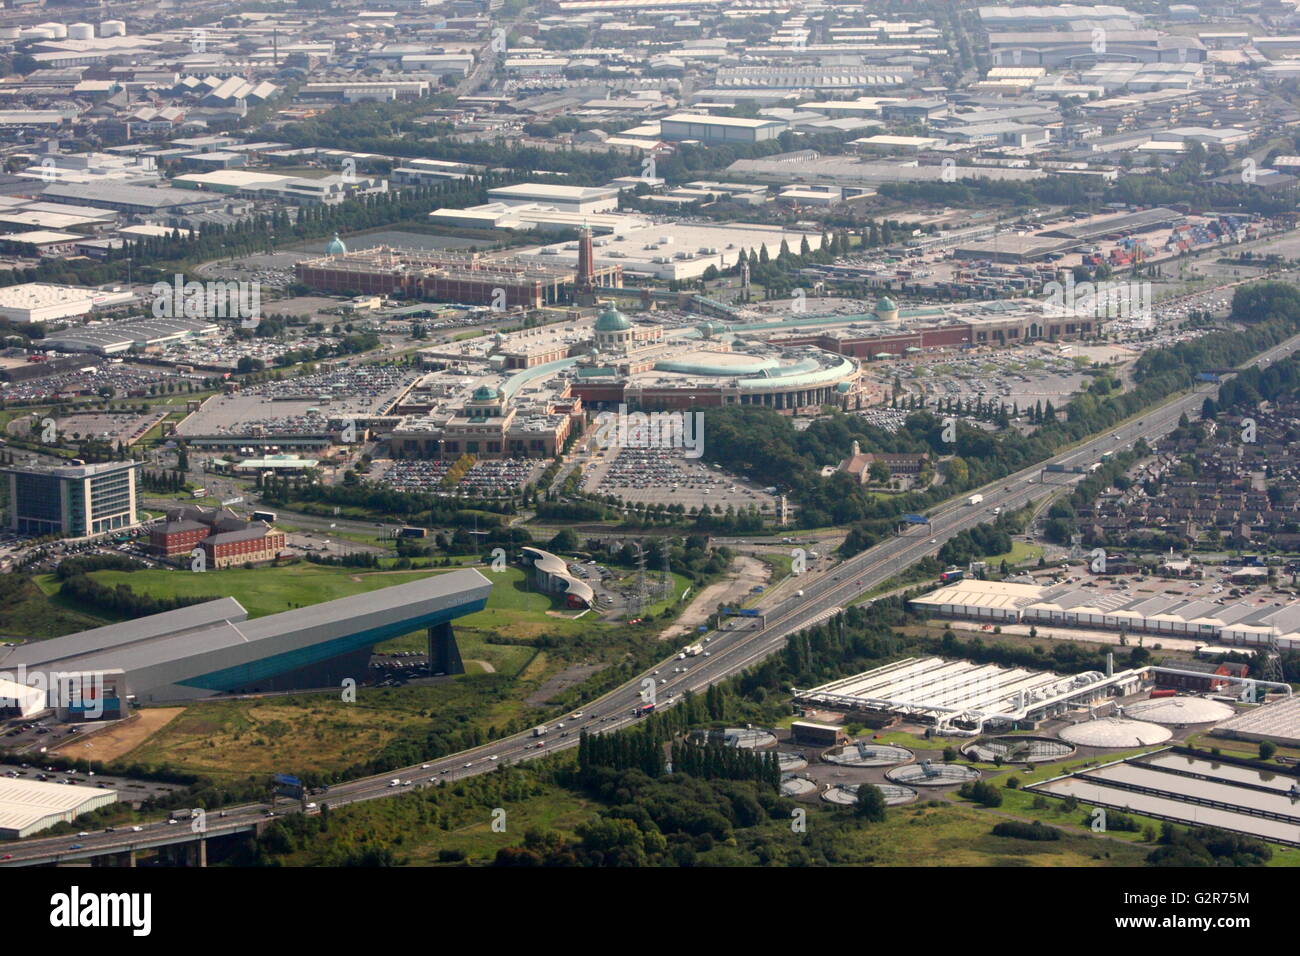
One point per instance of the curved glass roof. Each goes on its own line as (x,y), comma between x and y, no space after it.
(821,376)
(522,378)
(754,366)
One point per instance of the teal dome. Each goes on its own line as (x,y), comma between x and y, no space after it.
(335,247)
(612,320)
(885,304)
(485,393)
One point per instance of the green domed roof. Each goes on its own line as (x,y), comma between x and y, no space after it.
(335,246)
(886,304)
(485,393)
(612,320)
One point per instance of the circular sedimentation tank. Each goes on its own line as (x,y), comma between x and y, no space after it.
(1018,749)
(846,794)
(895,794)
(792,786)
(791,762)
(1180,710)
(868,755)
(1115,732)
(749,738)
(932,774)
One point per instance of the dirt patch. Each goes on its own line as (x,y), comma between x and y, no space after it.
(746,573)
(561,681)
(122,739)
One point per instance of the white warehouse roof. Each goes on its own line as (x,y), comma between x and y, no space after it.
(27,700)
(27,806)
(973,593)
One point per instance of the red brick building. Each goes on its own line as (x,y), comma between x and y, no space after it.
(177,537)
(1205,683)
(225,537)
(859,463)
(253,545)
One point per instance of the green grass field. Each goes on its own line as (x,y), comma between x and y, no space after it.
(259,590)
(514,608)
(26,611)
(1021,553)
(959,835)
(1237,748)
(357,537)
(515,611)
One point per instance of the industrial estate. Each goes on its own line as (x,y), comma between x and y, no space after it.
(706,433)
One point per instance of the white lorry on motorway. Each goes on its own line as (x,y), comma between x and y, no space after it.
(539,731)
(974,499)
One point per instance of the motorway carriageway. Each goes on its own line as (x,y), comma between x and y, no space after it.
(729,651)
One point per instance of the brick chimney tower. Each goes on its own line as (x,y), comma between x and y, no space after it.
(585,288)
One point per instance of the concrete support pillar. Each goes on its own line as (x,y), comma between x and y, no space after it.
(130,858)
(444,655)
(202,852)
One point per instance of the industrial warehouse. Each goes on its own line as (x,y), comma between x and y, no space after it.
(143,335)
(29,806)
(213,647)
(1067,605)
(965,698)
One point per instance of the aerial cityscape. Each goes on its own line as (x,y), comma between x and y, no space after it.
(649,433)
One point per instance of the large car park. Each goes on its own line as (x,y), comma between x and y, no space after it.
(667,476)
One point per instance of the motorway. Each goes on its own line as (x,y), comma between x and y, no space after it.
(729,651)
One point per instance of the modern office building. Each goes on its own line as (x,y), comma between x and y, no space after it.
(77,501)
(551,573)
